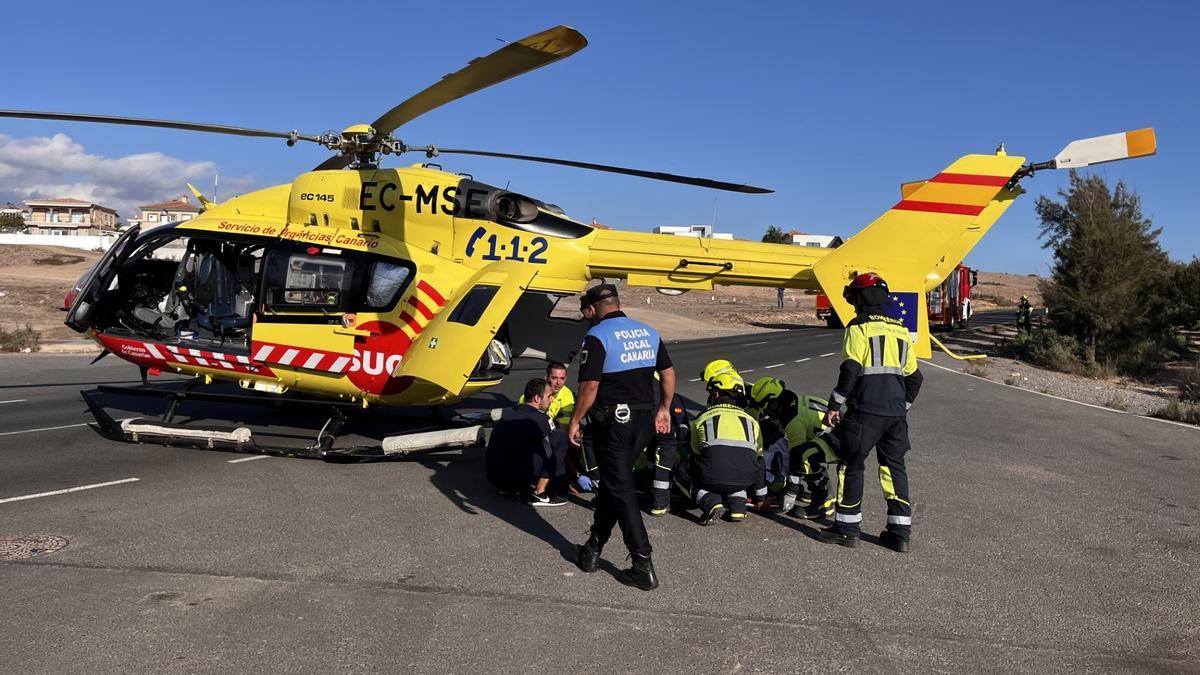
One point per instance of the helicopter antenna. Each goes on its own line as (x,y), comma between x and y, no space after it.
(216,178)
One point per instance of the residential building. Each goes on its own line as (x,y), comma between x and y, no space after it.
(798,238)
(153,215)
(10,207)
(69,217)
(692,231)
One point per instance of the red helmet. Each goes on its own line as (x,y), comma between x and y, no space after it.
(861,283)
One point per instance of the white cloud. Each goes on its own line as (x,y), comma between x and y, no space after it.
(40,167)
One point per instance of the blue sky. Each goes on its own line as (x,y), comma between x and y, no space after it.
(831,104)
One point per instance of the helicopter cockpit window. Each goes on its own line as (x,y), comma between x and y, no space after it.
(385,283)
(297,281)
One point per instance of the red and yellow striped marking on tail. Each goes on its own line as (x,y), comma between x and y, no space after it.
(914,244)
(420,308)
(959,194)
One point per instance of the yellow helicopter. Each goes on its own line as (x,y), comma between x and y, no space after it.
(415,286)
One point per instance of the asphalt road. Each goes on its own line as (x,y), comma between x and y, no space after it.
(1048,536)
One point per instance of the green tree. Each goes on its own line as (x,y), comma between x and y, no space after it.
(1109,280)
(775,235)
(11,222)
(1185,292)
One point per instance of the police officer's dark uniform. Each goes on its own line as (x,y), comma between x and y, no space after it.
(622,354)
(878,381)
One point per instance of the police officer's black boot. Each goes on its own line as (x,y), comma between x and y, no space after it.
(587,557)
(641,575)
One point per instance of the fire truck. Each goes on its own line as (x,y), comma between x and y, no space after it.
(949,304)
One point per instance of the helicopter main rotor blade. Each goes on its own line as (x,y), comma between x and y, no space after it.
(655,175)
(515,58)
(164,124)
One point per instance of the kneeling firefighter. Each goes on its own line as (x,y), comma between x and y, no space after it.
(810,446)
(726,452)
(662,457)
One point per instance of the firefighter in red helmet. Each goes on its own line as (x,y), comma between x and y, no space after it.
(877,383)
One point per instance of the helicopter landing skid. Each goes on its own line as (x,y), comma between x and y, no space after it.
(242,439)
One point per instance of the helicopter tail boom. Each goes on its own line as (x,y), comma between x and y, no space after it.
(695,263)
(913,245)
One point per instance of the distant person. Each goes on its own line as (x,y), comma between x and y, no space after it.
(525,453)
(779,297)
(1025,315)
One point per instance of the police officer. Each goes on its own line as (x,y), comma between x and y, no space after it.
(877,384)
(809,445)
(616,390)
(726,452)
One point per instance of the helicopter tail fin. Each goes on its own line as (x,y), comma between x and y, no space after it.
(916,243)
(205,202)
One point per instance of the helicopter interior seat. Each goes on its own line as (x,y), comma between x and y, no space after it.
(227,313)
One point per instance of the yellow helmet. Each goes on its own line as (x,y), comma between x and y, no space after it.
(728,380)
(764,389)
(714,367)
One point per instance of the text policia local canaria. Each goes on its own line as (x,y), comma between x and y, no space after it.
(635,345)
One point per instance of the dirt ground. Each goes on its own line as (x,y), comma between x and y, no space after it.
(33,282)
(997,289)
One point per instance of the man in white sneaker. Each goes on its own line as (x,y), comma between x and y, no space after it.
(525,452)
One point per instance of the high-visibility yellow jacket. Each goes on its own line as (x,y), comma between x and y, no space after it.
(879,368)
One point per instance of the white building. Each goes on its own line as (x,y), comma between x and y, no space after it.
(692,231)
(798,238)
(153,215)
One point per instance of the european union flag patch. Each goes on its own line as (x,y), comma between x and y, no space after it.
(904,306)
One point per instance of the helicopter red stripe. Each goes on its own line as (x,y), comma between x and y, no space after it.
(939,207)
(420,307)
(412,323)
(432,293)
(970,179)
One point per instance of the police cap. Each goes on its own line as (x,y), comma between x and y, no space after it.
(597,293)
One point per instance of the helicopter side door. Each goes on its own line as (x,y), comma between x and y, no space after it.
(446,353)
(304,295)
(99,278)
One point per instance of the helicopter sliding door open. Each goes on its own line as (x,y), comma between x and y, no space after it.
(467,329)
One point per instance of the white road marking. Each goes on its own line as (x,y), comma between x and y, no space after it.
(748,370)
(829,354)
(1060,398)
(248,459)
(73,489)
(16,400)
(776,365)
(30,431)
(65,426)
(754,344)
(694,379)
(807,358)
